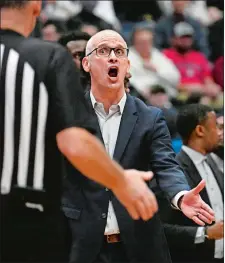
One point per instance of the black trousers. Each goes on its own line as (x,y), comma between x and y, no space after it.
(28,235)
(112,253)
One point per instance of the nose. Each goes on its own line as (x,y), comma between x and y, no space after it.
(112,57)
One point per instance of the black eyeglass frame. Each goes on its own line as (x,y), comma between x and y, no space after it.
(111,48)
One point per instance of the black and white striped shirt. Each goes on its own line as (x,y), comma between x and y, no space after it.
(40,95)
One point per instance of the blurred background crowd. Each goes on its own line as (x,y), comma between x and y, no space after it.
(176,48)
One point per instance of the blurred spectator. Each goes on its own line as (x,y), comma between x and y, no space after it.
(148,65)
(135,11)
(195,9)
(60,10)
(105,11)
(89,29)
(218,154)
(188,242)
(216,40)
(76,43)
(64,10)
(159,98)
(52,30)
(88,22)
(164,28)
(218,72)
(216,3)
(194,68)
(194,98)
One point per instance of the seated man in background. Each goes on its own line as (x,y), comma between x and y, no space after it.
(193,66)
(197,126)
(149,66)
(164,28)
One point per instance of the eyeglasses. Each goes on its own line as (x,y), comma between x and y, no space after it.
(106,51)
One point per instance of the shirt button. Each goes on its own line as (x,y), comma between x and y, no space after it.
(104,215)
(106,189)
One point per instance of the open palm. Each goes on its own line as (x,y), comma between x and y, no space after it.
(195,208)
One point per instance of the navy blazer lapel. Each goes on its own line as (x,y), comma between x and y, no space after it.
(217,173)
(98,130)
(128,121)
(187,164)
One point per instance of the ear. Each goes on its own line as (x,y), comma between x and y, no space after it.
(200,130)
(86,64)
(128,67)
(37,5)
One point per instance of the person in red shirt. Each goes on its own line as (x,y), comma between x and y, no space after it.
(195,69)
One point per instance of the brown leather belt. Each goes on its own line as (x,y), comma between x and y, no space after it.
(114,238)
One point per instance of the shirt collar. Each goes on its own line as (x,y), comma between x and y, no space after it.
(195,156)
(121,103)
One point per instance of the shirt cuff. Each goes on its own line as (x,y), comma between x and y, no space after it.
(176,199)
(200,235)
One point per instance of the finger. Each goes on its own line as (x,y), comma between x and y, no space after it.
(144,209)
(151,204)
(198,221)
(146,175)
(154,202)
(199,187)
(133,212)
(206,214)
(204,219)
(208,209)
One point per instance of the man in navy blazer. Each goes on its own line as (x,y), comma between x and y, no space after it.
(137,137)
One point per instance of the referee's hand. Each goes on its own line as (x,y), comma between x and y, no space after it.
(136,196)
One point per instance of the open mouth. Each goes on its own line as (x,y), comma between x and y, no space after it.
(113,72)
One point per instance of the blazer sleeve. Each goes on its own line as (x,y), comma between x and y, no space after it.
(166,170)
(184,235)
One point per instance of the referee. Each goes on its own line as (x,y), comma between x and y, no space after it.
(41,108)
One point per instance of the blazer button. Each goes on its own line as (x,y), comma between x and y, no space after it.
(104,215)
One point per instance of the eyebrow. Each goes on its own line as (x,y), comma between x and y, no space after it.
(104,45)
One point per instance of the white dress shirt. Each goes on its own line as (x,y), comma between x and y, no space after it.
(214,193)
(109,126)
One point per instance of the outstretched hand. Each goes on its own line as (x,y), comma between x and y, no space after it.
(195,208)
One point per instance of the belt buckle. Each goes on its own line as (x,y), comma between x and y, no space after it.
(113,238)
